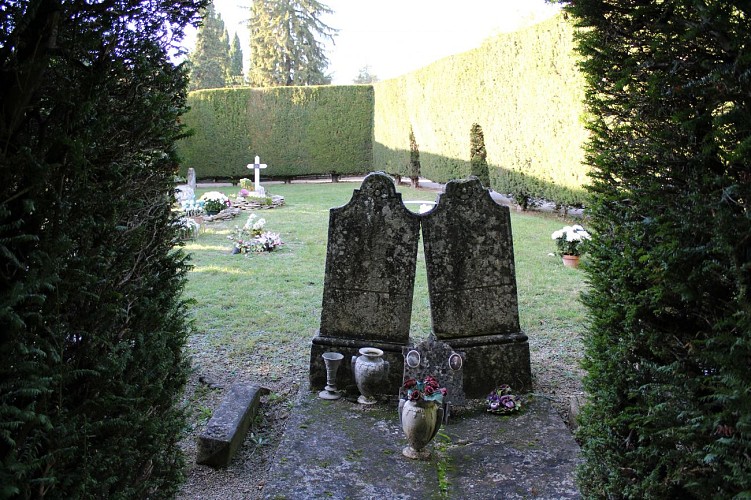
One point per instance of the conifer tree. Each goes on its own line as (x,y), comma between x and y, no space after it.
(235,71)
(414,159)
(668,348)
(92,365)
(210,60)
(478,156)
(286,43)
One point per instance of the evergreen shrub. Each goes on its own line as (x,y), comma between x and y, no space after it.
(297,131)
(93,327)
(526,91)
(668,350)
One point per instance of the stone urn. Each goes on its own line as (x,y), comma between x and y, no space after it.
(370,371)
(420,422)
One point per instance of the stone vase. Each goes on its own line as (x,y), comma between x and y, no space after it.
(370,371)
(420,422)
(571,261)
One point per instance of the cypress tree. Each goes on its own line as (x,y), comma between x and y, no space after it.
(285,43)
(93,327)
(668,349)
(414,159)
(210,60)
(235,71)
(478,156)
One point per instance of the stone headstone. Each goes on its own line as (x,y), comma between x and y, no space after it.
(192,178)
(469,258)
(370,273)
(437,359)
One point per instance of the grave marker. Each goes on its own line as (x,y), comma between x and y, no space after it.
(257,166)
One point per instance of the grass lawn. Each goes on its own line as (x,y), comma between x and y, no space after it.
(255,316)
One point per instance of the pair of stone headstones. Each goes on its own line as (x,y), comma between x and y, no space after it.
(370,272)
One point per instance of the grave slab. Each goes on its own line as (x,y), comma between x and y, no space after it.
(229,424)
(342,450)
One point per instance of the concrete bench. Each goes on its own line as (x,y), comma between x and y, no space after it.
(229,425)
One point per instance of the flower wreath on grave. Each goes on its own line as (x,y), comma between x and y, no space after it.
(215,202)
(251,238)
(502,401)
(424,390)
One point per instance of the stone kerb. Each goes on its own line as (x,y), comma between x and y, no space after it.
(369,281)
(472,287)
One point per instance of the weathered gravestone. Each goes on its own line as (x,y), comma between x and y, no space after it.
(370,273)
(192,178)
(469,257)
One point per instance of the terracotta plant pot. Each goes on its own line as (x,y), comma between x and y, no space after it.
(571,261)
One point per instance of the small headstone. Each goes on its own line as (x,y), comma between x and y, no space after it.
(437,359)
(192,178)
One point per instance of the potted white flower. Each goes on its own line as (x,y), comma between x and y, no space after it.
(570,241)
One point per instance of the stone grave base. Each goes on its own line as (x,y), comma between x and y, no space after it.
(492,360)
(343,450)
(349,347)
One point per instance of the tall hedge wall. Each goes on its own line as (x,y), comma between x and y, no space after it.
(522,88)
(297,131)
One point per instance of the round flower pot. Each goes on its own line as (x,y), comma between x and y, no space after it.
(571,261)
(420,423)
(370,371)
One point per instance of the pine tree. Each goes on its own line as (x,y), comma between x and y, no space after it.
(285,43)
(235,71)
(210,61)
(478,156)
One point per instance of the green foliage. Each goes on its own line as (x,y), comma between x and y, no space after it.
(93,327)
(669,344)
(414,158)
(210,61)
(297,131)
(478,155)
(523,87)
(364,76)
(235,70)
(286,43)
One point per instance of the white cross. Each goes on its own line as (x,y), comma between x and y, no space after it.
(257,166)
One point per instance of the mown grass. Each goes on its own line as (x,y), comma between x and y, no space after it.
(259,313)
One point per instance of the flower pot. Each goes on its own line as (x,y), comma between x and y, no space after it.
(571,261)
(420,422)
(370,371)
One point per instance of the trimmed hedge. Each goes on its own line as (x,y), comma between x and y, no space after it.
(524,88)
(297,131)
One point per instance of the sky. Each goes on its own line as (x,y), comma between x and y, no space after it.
(394,37)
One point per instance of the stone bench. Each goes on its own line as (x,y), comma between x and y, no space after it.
(229,425)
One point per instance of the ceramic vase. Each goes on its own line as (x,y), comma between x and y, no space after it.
(420,422)
(370,371)
(332,361)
